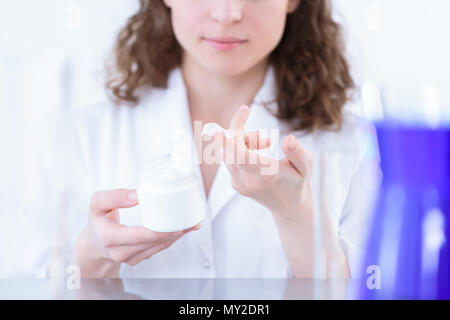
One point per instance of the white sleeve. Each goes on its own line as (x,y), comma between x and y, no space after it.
(46,209)
(356,219)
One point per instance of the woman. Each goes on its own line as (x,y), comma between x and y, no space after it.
(181,61)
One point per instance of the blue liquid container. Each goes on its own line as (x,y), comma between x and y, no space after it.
(408,254)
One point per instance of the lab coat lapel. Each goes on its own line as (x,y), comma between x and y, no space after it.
(221,190)
(180,131)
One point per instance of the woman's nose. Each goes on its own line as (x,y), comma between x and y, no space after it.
(226,11)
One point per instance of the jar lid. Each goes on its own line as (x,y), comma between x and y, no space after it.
(161,175)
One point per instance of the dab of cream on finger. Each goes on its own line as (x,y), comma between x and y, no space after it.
(210,129)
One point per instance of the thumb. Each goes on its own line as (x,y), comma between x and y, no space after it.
(240,118)
(105,201)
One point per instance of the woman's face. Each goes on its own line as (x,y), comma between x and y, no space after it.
(229,36)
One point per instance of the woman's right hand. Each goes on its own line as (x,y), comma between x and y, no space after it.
(105,243)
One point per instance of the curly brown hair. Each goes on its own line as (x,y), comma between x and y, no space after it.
(312,74)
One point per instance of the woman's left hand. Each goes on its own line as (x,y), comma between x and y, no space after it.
(285,189)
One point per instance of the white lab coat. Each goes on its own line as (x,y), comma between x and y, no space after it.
(106,147)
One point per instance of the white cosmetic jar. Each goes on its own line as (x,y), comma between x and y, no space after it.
(170,196)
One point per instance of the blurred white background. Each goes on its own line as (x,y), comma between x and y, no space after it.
(52,55)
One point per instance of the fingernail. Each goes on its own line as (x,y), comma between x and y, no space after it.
(132,195)
(293,144)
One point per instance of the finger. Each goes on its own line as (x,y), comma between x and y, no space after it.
(256,143)
(240,118)
(288,171)
(121,253)
(252,140)
(242,158)
(228,156)
(106,200)
(141,235)
(147,253)
(228,153)
(231,167)
(301,160)
(264,143)
(194,228)
(233,153)
(111,233)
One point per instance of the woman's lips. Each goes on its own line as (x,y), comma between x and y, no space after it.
(225,44)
